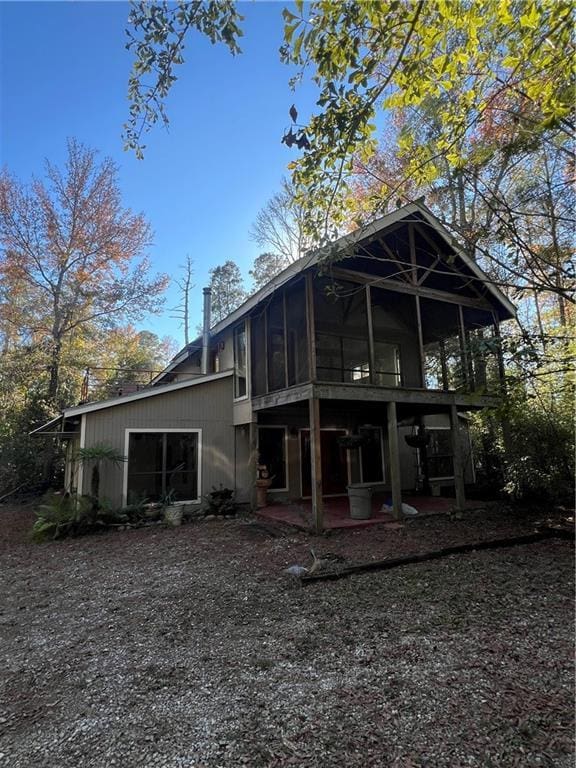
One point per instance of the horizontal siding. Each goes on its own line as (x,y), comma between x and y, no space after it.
(207,407)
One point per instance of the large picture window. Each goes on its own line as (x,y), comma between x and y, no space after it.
(160,462)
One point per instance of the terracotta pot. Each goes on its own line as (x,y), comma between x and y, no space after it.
(262,492)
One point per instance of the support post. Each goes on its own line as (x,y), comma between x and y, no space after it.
(443,365)
(412,246)
(253,460)
(316,461)
(457,458)
(374,378)
(500,353)
(468,383)
(395,481)
(420,343)
(311,328)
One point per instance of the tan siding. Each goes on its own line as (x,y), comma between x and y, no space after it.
(244,479)
(185,371)
(225,350)
(243,412)
(207,407)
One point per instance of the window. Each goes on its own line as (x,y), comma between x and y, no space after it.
(163,461)
(258,367)
(339,358)
(361,372)
(386,364)
(272,453)
(240,389)
(276,350)
(371,455)
(440,453)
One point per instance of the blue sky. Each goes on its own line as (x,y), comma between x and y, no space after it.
(64,72)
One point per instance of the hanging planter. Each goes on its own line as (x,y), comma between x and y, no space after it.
(417,441)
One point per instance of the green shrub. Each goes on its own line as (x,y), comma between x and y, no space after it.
(220,502)
(525,450)
(60,515)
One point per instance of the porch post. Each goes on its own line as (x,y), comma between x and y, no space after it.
(372,357)
(500,355)
(395,481)
(457,454)
(468,382)
(316,461)
(311,328)
(253,460)
(420,343)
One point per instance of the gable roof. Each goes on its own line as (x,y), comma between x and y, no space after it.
(122,400)
(312,258)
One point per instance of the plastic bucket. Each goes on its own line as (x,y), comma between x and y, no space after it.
(360,502)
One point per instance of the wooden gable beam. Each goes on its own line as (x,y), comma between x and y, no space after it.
(395,285)
(405,272)
(471,280)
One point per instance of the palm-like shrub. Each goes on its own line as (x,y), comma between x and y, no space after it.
(97,455)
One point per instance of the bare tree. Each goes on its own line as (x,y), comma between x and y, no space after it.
(279,226)
(185,286)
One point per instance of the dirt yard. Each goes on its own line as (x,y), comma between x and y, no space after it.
(191,647)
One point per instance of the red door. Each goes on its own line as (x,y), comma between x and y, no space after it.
(334,462)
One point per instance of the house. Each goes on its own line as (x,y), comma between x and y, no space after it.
(395,336)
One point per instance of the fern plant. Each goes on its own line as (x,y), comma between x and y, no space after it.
(60,515)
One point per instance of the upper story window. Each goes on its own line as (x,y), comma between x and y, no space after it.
(240,376)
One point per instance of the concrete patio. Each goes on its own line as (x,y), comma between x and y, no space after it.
(337,511)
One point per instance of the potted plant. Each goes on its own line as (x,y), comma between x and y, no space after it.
(171,510)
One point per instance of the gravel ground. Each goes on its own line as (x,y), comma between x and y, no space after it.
(190,647)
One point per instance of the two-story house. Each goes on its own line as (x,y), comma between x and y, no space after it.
(394,335)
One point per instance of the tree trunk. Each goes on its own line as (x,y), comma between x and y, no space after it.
(54,370)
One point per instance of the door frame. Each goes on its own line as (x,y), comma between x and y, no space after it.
(300,461)
(286,463)
(382,451)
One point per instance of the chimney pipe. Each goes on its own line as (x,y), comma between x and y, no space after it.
(206,328)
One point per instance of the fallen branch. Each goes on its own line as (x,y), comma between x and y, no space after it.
(14,490)
(385,565)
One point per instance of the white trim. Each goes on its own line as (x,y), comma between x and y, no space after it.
(285,428)
(382,454)
(80,475)
(143,394)
(48,424)
(246,340)
(300,462)
(163,430)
